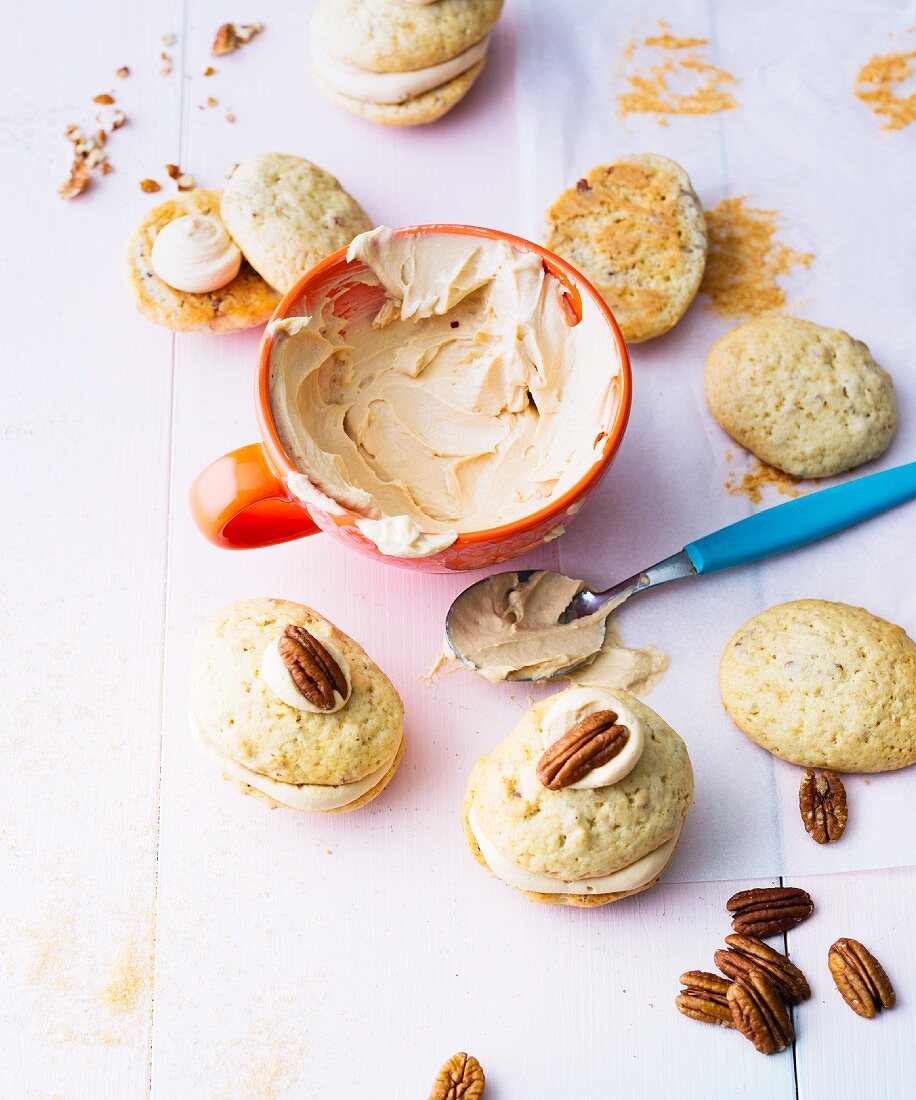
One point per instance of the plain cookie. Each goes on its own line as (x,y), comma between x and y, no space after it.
(806,399)
(824,685)
(286,214)
(241,304)
(270,747)
(636,230)
(575,835)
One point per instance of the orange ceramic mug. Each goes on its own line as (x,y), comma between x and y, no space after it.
(241,500)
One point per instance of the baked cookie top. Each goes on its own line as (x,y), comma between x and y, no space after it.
(575,834)
(390,36)
(636,230)
(238,714)
(286,214)
(246,301)
(824,685)
(807,399)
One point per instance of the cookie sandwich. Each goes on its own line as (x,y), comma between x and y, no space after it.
(400,62)
(292,710)
(635,228)
(809,400)
(584,801)
(220,261)
(824,685)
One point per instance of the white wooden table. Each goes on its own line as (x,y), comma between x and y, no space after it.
(161,935)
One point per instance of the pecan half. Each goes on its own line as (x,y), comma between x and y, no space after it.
(461,1078)
(860,978)
(704,998)
(313,670)
(768,911)
(822,802)
(760,1015)
(587,745)
(747,955)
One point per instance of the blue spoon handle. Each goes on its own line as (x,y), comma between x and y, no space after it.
(801,521)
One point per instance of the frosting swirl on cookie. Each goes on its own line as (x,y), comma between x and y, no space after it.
(195,254)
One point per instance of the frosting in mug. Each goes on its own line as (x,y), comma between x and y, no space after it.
(461,398)
(369,87)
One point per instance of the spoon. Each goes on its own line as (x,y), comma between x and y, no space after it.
(763,535)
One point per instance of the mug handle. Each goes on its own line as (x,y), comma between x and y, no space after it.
(239,503)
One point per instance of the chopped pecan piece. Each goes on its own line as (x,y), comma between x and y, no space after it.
(704,998)
(77,182)
(768,911)
(313,670)
(229,37)
(461,1078)
(760,1015)
(747,955)
(822,802)
(860,978)
(149,186)
(589,744)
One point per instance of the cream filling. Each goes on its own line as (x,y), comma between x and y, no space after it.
(298,796)
(455,396)
(277,677)
(369,87)
(577,703)
(195,254)
(640,873)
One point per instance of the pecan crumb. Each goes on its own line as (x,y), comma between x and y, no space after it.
(209,71)
(583,185)
(77,182)
(104,98)
(172,171)
(230,117)
(122,72)
(149,186)
(211,101)
(229,37)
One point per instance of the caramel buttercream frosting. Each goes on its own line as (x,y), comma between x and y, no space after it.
(461,398)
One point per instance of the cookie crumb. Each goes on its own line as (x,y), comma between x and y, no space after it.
(760,477)
(104,99)
(744,260)
(122,72)
(230,117)
(878,84)
(166,64)
(670,64)
(209,71)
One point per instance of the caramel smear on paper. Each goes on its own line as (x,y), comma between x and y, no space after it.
(745,259)
(759,477)
(878,85)
(675,78)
